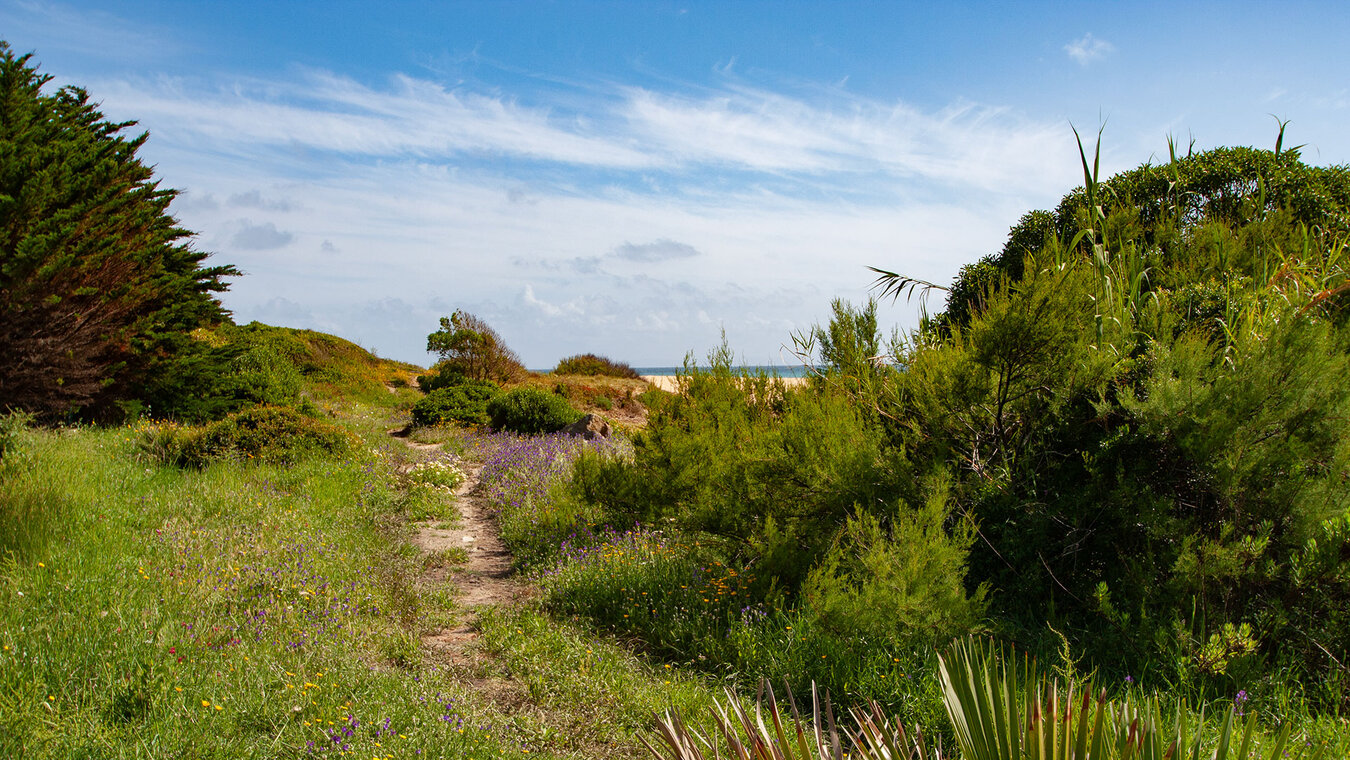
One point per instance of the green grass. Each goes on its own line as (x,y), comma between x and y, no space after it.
(246,609)
(236,611)
(600,696)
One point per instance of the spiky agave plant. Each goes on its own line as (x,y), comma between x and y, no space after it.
(1000,709)
(768,735)
(772,733)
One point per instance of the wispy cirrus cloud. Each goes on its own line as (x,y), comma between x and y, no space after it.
(325,112)
(963,144)
(1088,48)
(767,136)
(570,220)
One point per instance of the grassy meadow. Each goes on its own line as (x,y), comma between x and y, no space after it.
(249,608)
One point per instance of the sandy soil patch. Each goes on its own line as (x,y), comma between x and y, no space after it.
(669,382)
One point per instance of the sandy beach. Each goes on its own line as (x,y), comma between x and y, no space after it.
(667,382)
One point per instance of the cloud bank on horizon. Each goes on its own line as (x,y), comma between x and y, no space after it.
(634,211)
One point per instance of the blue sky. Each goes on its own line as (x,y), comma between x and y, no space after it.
(632,179)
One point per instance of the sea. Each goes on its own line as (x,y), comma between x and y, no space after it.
(769,369)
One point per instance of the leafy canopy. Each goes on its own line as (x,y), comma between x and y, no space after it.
(98,284)
(469,346)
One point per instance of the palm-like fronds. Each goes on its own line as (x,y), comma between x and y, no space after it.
(895,285)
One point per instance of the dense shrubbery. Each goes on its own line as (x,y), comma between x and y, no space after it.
(771,473)
(465,402)
(1150,429)
(233,367)
(442,375)
(590,364)
(263,433)
(1131,432)
(530,410)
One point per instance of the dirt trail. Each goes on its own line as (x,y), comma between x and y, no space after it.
(484,579)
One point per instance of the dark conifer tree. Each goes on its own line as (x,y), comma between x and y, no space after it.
(99,286)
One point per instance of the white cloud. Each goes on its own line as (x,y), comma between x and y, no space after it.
(254,199)
(1087,49)
(660,250)
(779,137)
(754,207)
(325,112)
(438,242)
(260,237)
(544,306)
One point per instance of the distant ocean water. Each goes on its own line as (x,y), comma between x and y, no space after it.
(781,371)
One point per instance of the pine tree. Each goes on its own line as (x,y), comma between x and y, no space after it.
(98,284)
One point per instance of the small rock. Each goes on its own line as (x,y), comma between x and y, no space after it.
(589,427)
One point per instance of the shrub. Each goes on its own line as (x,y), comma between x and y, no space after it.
(11,426)
(905,584)
(590,364)
(443,375)
(773,472)
(264,433)
(530,411)
(466,402)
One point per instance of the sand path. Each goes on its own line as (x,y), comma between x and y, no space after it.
(484,579)
(482,582)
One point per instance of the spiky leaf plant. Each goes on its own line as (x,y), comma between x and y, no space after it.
(1000,709)
(770,734)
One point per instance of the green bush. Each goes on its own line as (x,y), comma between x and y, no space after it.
(466,402)
(904,584)
(590,364)
(263,433)
(529,410)
(470,346)
(443,375)
(773,473)
(11,426)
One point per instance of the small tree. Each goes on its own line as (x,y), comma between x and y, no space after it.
(469,346)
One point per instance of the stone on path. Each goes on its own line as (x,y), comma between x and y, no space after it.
(589,427)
